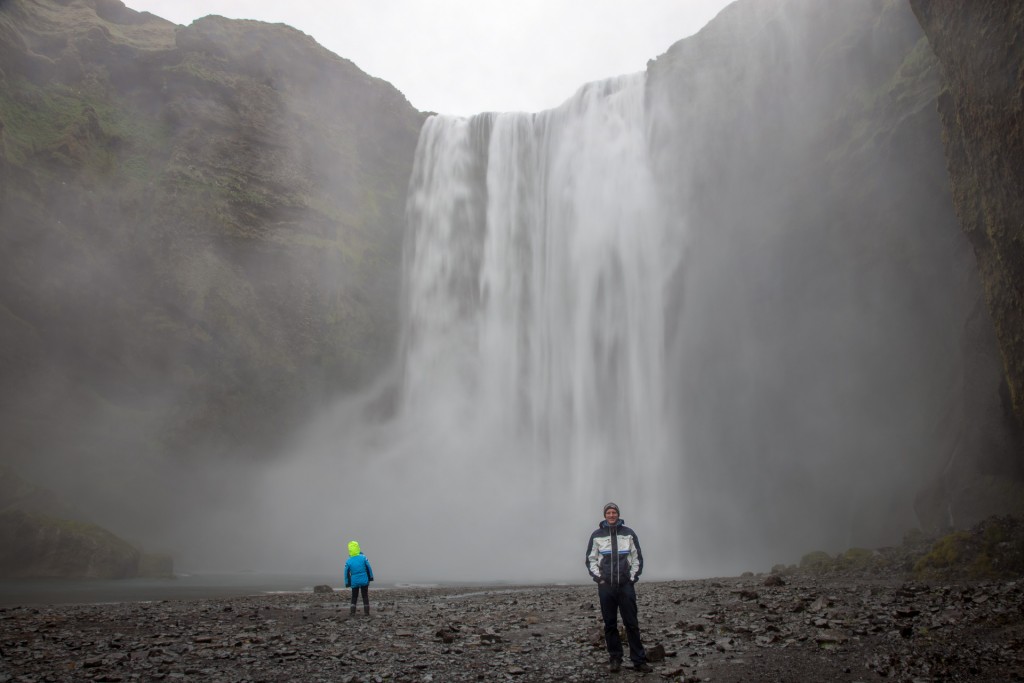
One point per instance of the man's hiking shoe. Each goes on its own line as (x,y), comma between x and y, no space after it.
(615,666)
(643,668)
(352,611)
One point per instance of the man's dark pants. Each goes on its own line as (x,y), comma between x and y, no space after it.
(621,599)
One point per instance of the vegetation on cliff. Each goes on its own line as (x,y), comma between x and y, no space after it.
(40,537)
(832,333)
(982,111)
(47,547)
(201,232)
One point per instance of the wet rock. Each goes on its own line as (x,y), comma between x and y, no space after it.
(725,644)
(487,636)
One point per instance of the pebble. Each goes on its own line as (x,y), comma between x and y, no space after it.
(723,630)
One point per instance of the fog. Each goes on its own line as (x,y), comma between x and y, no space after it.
(529,389)
(727,293)
(658,294)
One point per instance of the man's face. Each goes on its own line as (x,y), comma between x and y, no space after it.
(611,516)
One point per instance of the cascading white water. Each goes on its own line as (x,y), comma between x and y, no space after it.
(536,267)
(532,383)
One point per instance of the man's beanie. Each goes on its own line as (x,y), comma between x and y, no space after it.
(611,506)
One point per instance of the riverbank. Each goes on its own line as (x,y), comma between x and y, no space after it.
(735,629)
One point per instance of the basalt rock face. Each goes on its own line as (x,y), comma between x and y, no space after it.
(201,233)
(982,110)
(40,537)
(36,546)
(831,337)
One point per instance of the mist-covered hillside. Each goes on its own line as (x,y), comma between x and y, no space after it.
(201,232)
(982,112)
(835,354)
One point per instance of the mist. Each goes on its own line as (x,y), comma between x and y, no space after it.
(821,342)
(728,293)
(668,292)
(530,368)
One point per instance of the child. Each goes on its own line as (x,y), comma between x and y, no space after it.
(358,576)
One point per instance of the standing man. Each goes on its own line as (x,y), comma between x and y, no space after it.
(615,562)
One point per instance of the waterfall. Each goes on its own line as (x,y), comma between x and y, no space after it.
(531,385)
(536,268)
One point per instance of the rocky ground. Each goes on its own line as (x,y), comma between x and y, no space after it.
(794,627)
(948,608)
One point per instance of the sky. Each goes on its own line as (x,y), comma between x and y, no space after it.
(464,57)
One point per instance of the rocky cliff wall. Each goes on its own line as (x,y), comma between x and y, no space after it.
(980,48)
(201,236)
(37,546)
(830,341)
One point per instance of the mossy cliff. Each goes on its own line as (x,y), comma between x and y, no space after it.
(832,336)
(982,110)
(201,232)
(46,547)
(40,537)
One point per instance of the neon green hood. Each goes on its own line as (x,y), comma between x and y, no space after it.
(353,548)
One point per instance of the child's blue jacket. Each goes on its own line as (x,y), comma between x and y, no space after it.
(357,571)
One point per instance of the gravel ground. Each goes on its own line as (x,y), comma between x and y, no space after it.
(808,628)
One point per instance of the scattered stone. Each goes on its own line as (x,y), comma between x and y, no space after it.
(878,627)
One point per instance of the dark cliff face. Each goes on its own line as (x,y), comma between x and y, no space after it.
(982,110)
(201,232)
(37,546)
(828,344)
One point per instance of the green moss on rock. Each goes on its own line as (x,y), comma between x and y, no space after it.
(818,562)
(992,549)
(856,559)
(38,546)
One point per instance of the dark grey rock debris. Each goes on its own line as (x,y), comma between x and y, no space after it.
(842,628)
